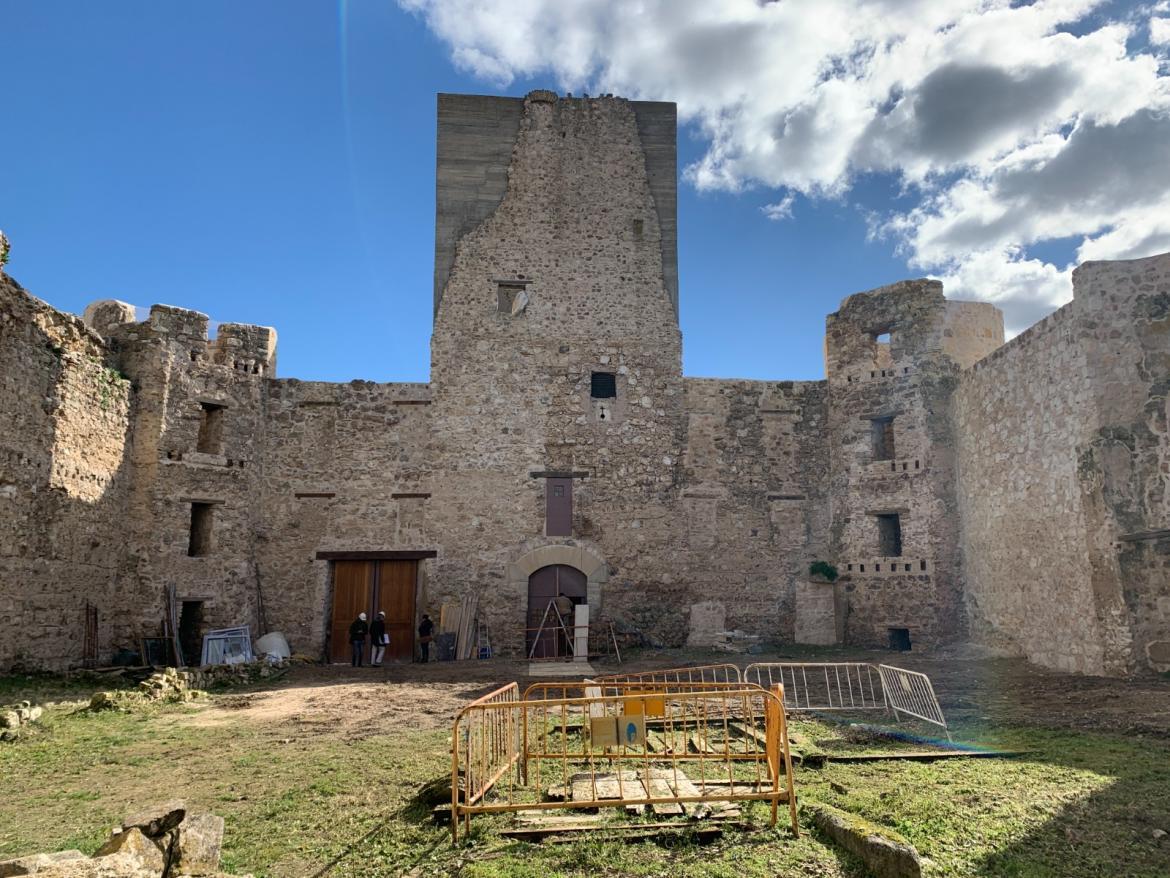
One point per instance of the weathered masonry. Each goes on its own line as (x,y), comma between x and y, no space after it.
(1017,495)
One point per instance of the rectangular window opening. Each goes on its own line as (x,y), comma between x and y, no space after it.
(603,385)
(506,296)
(900,639)
(882,437)
(202,523)
(210,439)
(638,227)
(889,535)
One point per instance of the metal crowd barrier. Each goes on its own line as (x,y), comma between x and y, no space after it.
(850,686)
(724,673)
(621,745)
(911,693)
(485,745)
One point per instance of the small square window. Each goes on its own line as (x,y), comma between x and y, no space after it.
(506,296)
(603,385)
(558,490)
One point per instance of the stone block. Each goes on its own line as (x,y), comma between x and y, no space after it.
(158,820)
(885,853)
(133,844)
(34,863)
(708,622)
(816,614)
(200,845)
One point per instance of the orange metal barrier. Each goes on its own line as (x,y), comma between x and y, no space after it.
(632,745)
(484,746)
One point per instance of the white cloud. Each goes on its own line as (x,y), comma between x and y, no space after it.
(780,210)
(1010,126)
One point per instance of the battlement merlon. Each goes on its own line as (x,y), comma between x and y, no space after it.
(242,347)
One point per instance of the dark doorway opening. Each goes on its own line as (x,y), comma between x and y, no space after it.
(544,587)
(191,632)
(900,639)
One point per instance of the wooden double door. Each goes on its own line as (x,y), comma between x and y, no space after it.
(367,587)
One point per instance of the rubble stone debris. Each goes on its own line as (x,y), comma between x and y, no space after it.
(13,718)
(160,842)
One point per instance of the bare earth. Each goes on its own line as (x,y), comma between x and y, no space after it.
(973,691)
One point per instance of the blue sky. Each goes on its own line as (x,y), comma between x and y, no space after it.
(272,162)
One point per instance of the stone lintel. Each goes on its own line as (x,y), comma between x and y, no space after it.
(559,474)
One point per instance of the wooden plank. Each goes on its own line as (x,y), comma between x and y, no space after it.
(927,755)
(660,788)
(628,831)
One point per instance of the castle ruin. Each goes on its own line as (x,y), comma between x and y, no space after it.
(1014,495)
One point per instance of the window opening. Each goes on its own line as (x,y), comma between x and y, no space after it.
(900,639)
(202,522)
(603,385)
(210,439)
(889,535)
(882,438)
(507,295)
(638,228)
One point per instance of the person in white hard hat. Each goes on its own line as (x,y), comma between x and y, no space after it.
(358,630)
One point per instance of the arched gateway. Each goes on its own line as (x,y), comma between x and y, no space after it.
(579,571)
(543,630)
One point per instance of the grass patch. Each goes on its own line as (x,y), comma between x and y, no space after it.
(295,795)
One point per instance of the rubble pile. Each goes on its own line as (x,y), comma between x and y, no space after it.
(234,674)
(163,842)
(14,717)
(737,641)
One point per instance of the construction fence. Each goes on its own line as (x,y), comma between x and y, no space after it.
(622,744)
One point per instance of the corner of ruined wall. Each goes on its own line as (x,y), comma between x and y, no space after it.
(1062,477)
(65,413)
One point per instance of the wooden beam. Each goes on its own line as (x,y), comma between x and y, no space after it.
(928,755)
(395,555)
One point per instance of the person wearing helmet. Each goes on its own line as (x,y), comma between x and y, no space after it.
(358,630)
(379,639)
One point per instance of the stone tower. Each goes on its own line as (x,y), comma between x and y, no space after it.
(556,354)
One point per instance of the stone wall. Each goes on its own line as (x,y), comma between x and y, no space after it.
(345,469)
(65,414)
(1063,475)
(1019,491)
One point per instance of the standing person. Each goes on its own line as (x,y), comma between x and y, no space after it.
(358,629)
(425,627)
(379,639)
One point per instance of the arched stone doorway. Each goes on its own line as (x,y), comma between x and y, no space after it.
(545,638)
(585,560)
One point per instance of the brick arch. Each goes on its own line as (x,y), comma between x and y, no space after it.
(588,561)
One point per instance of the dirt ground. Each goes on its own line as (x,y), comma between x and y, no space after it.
(973,691)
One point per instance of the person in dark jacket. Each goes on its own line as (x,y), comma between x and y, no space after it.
(379,639)
(425,628)
(358,629)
